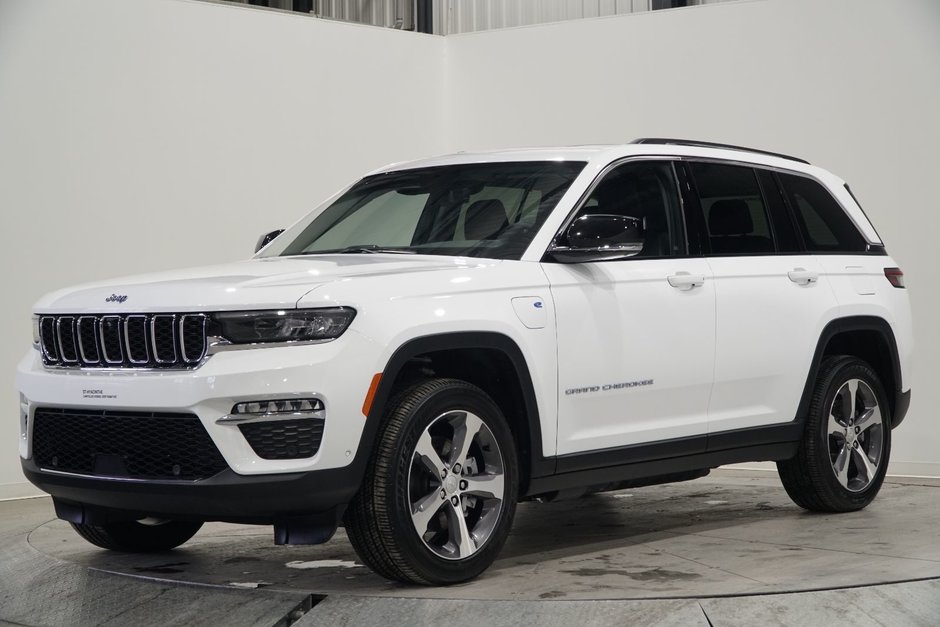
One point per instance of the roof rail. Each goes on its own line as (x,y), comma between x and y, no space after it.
(689,142)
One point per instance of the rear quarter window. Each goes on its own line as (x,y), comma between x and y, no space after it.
(821,219)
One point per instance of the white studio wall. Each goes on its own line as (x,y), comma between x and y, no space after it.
(137,136)
(850,85)
(153,134)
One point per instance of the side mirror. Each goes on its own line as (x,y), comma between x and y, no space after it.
(266,239)
(600,237)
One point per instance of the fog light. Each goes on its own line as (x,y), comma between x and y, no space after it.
(277,409)
(292,406)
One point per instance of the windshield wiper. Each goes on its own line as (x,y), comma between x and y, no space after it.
(358,249)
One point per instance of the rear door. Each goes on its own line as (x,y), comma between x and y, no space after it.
(772,296)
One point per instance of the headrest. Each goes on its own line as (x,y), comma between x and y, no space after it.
(484,219)
(730,217)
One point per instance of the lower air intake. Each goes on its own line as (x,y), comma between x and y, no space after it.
(137,445)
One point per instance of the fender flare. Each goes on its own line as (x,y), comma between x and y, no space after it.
(857,323)
(539,465)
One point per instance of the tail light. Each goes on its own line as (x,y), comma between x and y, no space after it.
(895,276)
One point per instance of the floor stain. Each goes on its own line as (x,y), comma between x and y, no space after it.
(241,558)
(163,569)
(554,594)
(653,574)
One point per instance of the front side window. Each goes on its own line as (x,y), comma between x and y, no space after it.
(490,210)
(734,209)
(644,190)
(823,222)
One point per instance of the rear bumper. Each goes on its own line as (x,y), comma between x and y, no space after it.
(227,496)
(902,403)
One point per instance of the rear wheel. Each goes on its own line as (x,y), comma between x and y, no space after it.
(440,492)
(843,457)
(139,536)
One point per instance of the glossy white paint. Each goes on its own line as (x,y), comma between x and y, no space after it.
(768,328)
(635,354)
(619,353)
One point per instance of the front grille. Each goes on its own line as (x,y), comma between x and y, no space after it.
(123,341)
(138,445)
(284,439)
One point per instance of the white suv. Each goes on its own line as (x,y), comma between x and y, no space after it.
(450,336)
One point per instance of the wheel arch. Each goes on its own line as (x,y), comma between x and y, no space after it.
(871,339)
(486,359)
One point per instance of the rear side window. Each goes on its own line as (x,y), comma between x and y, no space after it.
(823,222)
(735,213)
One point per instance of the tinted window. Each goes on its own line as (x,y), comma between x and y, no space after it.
(478,210)
(784,231)
(824,224)
(734,209)
(642,190)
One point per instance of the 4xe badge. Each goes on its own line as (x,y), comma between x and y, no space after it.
(116,298)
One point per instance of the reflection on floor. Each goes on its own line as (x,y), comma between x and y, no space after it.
(729,549)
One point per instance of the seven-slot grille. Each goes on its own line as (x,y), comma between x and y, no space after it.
(123,341)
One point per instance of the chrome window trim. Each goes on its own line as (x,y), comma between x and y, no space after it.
(690,158)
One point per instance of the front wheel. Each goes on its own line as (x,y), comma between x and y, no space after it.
(843,457)
(139,536)
(441,489)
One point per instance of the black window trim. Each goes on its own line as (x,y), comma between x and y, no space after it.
(680,238)
(871,248)
(683,179)
(788,212)
(695,200)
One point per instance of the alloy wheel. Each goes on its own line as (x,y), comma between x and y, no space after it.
(456,485)
(856,435)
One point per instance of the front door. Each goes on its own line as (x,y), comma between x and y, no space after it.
(636,337)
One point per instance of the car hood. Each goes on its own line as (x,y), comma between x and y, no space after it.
(266,283)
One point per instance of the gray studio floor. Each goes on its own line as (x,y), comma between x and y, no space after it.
(729,549)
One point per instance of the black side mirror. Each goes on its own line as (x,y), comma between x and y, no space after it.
(600,237)
(266,239)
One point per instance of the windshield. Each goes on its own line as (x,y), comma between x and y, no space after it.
(488,210)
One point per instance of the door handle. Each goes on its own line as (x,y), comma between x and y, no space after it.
(802,276)
(685,281)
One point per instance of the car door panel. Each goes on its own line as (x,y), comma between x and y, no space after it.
(635,355)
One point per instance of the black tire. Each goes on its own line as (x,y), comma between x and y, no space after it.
(379,521)
(810,478)
(138,537)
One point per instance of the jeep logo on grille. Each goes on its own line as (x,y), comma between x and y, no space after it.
(116,298)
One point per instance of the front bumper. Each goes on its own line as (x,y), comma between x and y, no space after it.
(251,489)
(227,496)
(211,391)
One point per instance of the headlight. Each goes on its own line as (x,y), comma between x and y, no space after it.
(285,325)
(36,335)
